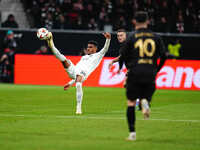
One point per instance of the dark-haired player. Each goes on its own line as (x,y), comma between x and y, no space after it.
(140,52)
(83,68)
(121,37)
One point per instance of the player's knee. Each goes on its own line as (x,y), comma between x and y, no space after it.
(131,102)
(79,90)
(79,86)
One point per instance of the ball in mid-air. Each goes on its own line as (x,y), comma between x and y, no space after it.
(42,33)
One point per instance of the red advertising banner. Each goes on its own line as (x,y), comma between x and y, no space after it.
(179,74)
(47,70)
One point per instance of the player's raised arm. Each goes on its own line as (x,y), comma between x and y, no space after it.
(107,43)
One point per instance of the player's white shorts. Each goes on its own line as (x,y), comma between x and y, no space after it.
(73,71)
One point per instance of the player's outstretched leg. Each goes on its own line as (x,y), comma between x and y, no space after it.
(66,63)
(79,97)
(145,108)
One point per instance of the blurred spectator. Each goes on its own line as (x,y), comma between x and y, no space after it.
(34,12)
(42,50)
(57,13)
(191,17)
(61,23)
(177,6)
(89,12)
(121,23)
(7,57)
(120,8)
(79,24)
(179,24)
(163,19)
(66,6)
(10,22)
(79,5)
(102,15)
(48,22)
(6,70)
(150,8)
(10,41)
(92,25)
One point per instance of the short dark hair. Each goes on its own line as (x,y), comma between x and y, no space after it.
(93,42)
(141,16)
(121,30)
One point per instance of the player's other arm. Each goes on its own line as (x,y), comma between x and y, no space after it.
(124,52)
(116,59)
(121,62)
(163,58)
(69,84)
(163,54)
(113,61)
(107,43)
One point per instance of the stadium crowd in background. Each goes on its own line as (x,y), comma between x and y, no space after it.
(165,15)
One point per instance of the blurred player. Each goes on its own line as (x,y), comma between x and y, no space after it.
(83,68)
(141,52)
(121,37)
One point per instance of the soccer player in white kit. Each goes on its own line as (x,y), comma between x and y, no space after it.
(79,72)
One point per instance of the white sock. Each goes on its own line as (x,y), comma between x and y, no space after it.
(132,133)
(79,93)
(145,103)
(58,55)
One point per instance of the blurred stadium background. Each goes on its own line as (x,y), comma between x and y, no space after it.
(26,60)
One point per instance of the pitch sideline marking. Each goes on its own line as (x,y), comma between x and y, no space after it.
(95,117)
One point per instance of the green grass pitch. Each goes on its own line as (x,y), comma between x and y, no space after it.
(43,118)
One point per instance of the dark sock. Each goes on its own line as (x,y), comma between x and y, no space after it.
(131,118)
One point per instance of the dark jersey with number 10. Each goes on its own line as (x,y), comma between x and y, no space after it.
(141,52)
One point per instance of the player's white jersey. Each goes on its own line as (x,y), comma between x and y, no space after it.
(89,63)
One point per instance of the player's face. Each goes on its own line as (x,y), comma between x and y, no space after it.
(121,36)
(91,48)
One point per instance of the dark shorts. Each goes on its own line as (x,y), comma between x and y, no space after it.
(137,89)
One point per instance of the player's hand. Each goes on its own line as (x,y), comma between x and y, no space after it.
(107,35)
(67,86)
(110,65)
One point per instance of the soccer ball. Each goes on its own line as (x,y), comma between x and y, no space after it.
(42,33)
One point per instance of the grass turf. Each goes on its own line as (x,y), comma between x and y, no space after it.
(43,118)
